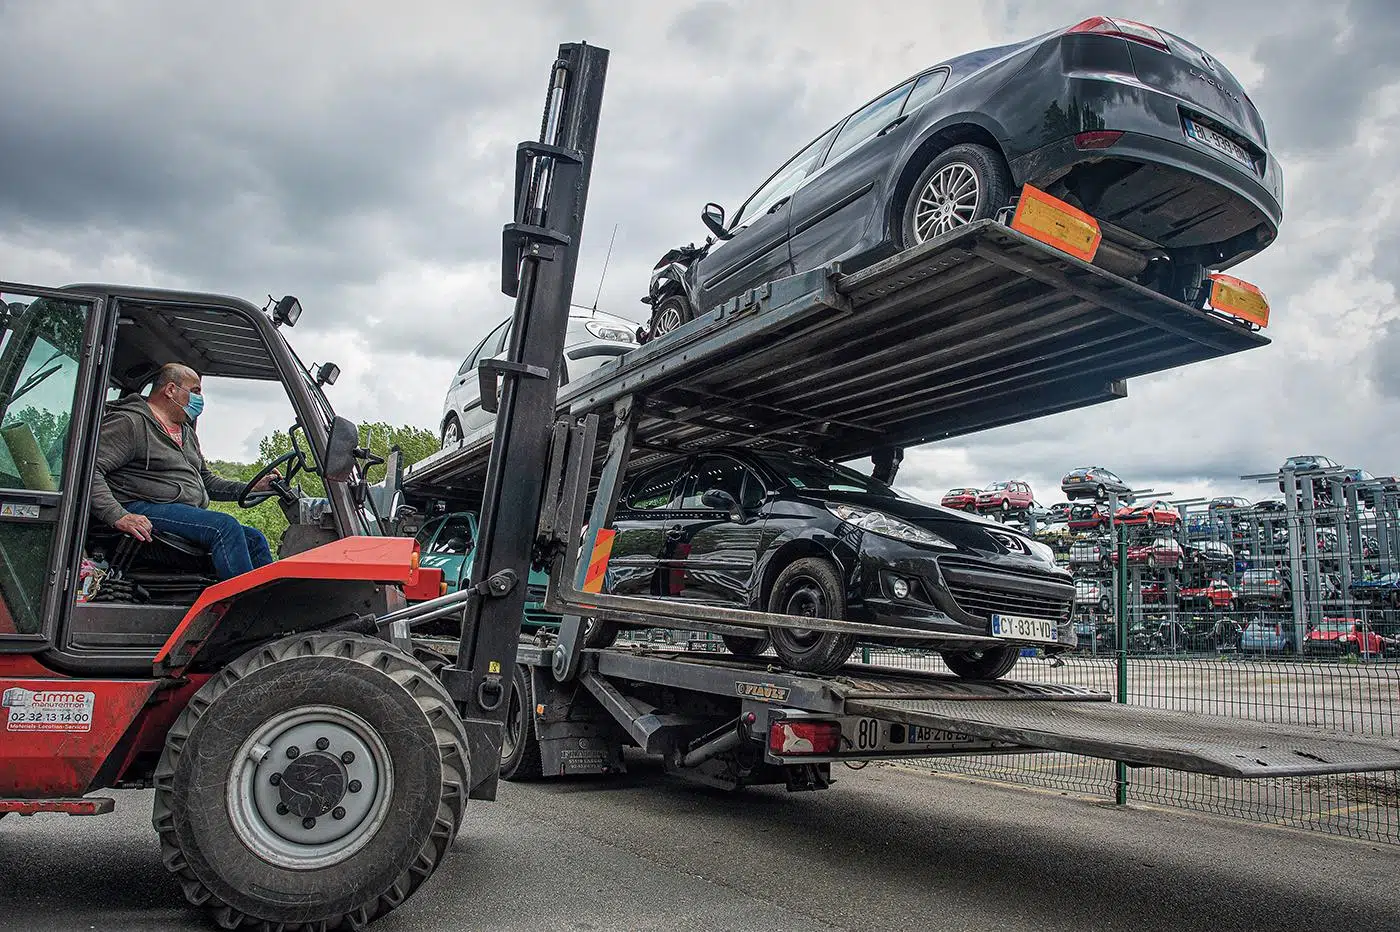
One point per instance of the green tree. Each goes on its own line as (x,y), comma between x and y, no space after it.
(414,443)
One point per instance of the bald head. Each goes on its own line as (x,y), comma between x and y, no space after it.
(171,390)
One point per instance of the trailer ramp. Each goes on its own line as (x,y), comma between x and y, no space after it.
(1210,744)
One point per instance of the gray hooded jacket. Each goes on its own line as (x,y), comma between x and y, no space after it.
(138,461)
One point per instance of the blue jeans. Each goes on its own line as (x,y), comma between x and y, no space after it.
(235,548)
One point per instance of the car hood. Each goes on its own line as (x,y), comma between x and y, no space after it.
(965,531)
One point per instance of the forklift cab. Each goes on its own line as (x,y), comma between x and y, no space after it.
(64,355)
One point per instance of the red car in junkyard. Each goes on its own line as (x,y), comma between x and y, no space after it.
(1088,517)
(1163,551)
(1153,593)
(1216,595)
(1005,497)
(1152,514)
(961,499)
(1346,636)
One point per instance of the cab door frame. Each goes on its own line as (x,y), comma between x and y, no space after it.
(80,445)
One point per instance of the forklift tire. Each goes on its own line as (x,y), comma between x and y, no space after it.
(983,664)
(520,747)
(268,835)
(810,586)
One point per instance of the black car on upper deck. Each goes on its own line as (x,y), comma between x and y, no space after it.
(795,535)
(1142,129)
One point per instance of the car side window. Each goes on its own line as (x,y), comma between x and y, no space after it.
(487,347)
(924,88)
(785,181)
(455,537)
(725,475)
(869,120)
(654,491)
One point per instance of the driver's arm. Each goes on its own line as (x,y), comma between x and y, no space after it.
(115,449)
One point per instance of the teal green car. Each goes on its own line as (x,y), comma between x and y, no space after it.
(448,542)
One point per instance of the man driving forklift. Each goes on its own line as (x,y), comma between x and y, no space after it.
(150,475)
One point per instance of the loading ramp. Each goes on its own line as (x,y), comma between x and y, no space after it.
(976,329)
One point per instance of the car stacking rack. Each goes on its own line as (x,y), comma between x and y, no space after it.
(980,327)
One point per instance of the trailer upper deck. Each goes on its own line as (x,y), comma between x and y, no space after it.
(978,328)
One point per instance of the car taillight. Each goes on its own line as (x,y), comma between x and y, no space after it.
(1097,139)
(1123,29)
(788,737)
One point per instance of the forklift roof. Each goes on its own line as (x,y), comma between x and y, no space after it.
(216,335)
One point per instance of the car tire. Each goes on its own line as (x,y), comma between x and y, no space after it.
(810,586)
(599,634)
(989,664)
(1101,494)
(219,837)
(956,166)
(520,746)
(1103,605)
(671,313)
(741,646)
(451,432)
(1189,283)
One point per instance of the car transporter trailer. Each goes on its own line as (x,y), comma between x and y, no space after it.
(993,323)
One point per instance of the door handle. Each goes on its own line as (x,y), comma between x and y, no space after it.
(675,532)
(780,204)
(893,124)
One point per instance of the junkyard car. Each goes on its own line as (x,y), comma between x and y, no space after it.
(1094,482)
(794,535)
(1142,129)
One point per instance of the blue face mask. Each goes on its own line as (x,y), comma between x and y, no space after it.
(194,406)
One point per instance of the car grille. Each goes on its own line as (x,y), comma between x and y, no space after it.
(978,595)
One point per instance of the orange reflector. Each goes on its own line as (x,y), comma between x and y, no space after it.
(1055,223)
(1238,298)
(598,563)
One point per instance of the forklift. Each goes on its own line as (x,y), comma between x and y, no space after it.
(310,768)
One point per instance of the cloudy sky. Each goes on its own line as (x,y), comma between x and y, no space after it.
(359,155)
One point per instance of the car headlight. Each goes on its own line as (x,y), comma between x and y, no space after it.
(1043,552)
(877,522)
(606,331)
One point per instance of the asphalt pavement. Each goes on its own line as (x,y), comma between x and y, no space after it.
(885,848)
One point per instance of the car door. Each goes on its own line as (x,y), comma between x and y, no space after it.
(474,416)
(833,211)
(46,360)
(640,523)
(450,548)
(758,250)
(712,551)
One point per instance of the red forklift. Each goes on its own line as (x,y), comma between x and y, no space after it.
(310,767)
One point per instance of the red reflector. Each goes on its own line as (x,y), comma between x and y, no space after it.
(1123,29)
(800,737)
(1097,138)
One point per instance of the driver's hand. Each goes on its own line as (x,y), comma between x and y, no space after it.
(138,526)
(266,481)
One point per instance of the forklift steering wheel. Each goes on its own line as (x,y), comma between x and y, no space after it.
(281,488)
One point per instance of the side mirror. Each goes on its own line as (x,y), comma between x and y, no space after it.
(713,218)
(720,500)
(327,373)
(287,311)
(459,545)
(340,461)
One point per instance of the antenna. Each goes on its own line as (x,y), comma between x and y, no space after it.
(594,309)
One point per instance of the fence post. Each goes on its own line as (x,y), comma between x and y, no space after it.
(1121,769)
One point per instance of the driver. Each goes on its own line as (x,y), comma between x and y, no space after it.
(151,475)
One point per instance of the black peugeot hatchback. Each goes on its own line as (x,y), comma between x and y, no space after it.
(795,535)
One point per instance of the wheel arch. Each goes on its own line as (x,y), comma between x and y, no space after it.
(783,557)
(959,128)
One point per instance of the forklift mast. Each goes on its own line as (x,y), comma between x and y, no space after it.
(538,263)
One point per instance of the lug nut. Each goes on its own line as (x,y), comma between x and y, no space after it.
(282,809)
(348,757)
(275,779)
(322,743)
(308,823)
(293,752)
(338,812)
(355,786)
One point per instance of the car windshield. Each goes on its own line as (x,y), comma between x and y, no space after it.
(997,486)
(811,475)
(1338,625)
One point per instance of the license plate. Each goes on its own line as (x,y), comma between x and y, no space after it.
(1019,628)
(1218,142)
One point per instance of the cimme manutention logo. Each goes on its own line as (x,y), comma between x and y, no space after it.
(18,697)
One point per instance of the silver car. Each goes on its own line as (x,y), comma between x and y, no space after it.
(589,341)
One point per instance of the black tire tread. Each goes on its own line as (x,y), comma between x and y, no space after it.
(431,698)
(529,766)
(832,650)
(974,669)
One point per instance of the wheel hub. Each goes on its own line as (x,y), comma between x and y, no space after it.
(310,787)
(313,785)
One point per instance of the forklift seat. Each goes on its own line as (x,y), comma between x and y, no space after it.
(169,569)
